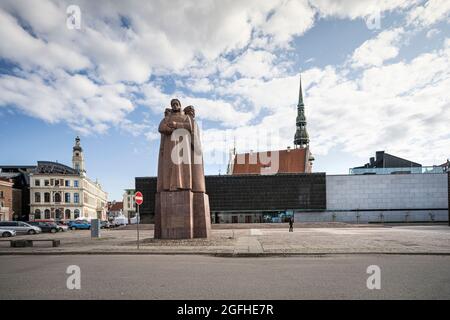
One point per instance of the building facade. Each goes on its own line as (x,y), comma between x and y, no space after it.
(20,176)
(317,197)
(129,206)
(6,199)
(61,192)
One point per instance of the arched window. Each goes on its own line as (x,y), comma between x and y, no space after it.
(47,197)
(57,197)
(37,197)
(76,213)
(58,214)
(37,214)
(47,213)
(67,214)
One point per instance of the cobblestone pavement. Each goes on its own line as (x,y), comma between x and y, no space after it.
(409,239)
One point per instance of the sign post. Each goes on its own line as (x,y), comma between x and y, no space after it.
(138,198)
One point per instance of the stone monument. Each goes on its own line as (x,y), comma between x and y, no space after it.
(181,204)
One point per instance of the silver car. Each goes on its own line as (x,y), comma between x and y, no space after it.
(19,227)
(7,233)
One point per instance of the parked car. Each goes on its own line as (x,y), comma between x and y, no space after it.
(79,224)
(62,226)
(7,233)
(45,226)
(120,221)
(20,227)
(105,224)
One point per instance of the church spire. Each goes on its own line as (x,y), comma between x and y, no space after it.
(301,138)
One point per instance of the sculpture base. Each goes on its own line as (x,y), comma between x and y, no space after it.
(202,216)
(182,214)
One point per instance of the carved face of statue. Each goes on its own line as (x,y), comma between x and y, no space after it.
(190,111)
(176,105)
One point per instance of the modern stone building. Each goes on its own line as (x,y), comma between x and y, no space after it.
(59,192)
(318,197)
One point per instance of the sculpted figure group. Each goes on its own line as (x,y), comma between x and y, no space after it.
(181,206)
(180,165)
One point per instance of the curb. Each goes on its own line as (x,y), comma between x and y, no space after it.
(221,254)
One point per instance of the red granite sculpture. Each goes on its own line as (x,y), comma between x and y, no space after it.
(182,206)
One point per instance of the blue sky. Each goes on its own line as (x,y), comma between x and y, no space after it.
(375,76)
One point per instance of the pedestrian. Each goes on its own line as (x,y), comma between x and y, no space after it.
(291,225)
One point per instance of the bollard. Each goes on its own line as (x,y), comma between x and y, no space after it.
(95,228)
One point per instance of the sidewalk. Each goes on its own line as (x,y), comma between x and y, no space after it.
(431,239)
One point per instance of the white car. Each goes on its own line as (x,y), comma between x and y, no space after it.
(19,227)
(120,221)
(7,233)
(62,227)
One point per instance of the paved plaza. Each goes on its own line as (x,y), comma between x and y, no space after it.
(258,240)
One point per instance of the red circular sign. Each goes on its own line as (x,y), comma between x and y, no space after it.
(138,198)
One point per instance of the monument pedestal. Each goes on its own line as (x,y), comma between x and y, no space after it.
(202,216)
(182,214)
(175,218)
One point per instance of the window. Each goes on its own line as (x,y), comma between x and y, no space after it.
(46,183)
(67,197)
(37,214)
(58,214)
(52,182)
(37,182)
(75,183)
(1,195)
(47,197)
(57,182)
(37,197)
(67,184)
(47,214)
(76,213)
(67,214)
(57,197)
(76,197)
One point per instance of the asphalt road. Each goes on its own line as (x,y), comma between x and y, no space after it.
(205,277)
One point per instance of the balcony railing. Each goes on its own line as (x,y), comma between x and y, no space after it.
(405,170)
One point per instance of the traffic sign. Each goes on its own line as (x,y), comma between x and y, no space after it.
(138,198)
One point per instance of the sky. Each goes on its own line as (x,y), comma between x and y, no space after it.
(375,76)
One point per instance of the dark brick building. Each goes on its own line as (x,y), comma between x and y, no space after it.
(250,198)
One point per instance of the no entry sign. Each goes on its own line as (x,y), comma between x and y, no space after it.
(138,198)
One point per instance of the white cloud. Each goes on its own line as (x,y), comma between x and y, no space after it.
(430,13)
(220,111)
(84,105)
(375,51)
(359,8)
(432,33)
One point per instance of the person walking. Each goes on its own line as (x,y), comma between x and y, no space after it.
(291,225)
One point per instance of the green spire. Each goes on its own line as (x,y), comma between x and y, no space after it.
(300,94)
(301,138)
